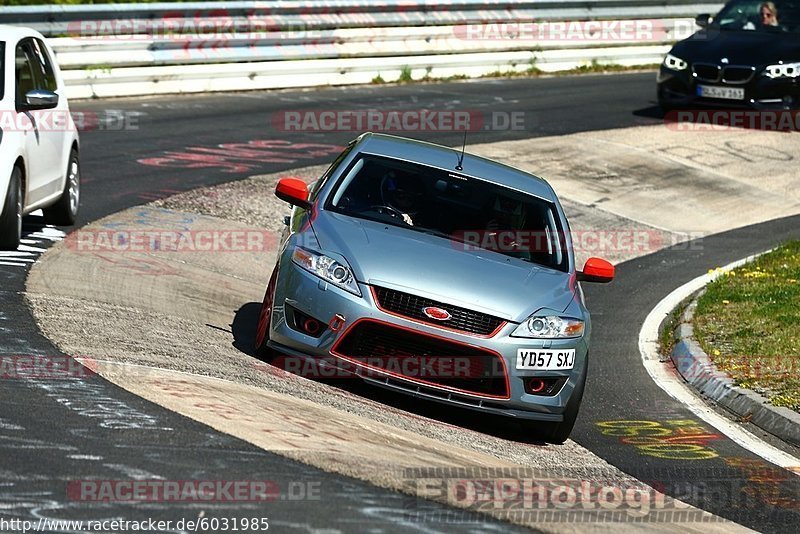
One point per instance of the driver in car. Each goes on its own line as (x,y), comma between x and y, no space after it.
(767,17)
(768,14)
(405,194)
(508,218)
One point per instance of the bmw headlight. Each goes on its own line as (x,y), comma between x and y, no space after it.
(675,63)
(337,272)
(781,70)
(549,327)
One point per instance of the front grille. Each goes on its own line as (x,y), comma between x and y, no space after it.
(706,72)
(411,306)
(738,75)
(424,359)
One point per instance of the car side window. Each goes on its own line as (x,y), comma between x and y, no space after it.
(33,68)
(25,79)
(44,66)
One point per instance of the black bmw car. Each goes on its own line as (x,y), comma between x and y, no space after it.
(746,56)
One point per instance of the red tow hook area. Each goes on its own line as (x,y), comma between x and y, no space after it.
(337,322)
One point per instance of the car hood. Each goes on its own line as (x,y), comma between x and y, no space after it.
(755,48)
(436,268)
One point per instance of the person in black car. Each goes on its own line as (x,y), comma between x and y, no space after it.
(767,17)
(769,14)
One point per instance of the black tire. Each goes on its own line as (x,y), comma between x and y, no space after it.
(265,316)
(65,211)
(11,219)
(558,433)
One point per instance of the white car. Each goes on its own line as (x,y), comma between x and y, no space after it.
(39,166)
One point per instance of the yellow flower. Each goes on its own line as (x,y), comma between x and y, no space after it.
(717,352)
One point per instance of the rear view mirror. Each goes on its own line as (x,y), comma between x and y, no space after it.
(40,99)
(596,270)
(703,20)
(294,191)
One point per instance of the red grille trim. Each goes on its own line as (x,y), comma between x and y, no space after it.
(335,352)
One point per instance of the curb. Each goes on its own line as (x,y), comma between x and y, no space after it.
(696,368)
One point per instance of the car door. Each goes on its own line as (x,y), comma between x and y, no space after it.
(44,130)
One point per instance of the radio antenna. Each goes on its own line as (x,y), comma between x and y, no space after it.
(461,157)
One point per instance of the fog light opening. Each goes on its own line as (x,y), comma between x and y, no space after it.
(311,326)
(536,385)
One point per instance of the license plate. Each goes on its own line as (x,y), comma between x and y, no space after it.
(545,360)
(727,93)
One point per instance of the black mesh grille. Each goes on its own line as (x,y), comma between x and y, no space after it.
(424,359)
(706,72)
(411,306)
(738,74)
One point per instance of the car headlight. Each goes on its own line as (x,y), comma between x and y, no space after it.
(675,63)
(331,270)
(549,327)
(788,70)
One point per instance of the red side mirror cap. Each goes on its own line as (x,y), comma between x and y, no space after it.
(294,191)
(596,270)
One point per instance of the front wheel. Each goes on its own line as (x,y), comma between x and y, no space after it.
(65,210)
(11,218)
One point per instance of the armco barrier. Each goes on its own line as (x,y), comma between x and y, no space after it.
(137,49)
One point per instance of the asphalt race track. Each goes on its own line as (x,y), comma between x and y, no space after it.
(57,432)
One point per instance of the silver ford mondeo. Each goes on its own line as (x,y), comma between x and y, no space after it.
(438,274)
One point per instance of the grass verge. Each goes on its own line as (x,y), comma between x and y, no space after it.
(747,323)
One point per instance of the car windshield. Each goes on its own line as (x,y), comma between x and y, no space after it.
(472,213)
(751,15)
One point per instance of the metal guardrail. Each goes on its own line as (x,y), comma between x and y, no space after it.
(135,49)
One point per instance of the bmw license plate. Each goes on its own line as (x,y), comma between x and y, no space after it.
(545,360)
(714,91)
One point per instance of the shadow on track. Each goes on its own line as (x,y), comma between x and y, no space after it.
(244,326)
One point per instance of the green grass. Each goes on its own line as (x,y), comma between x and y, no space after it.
(593,68)
(747,321)
(405,75)
(532,71)
(599,68)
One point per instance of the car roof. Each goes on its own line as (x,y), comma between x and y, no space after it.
(446,158)
(15,33)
